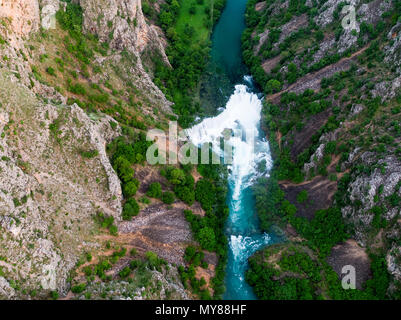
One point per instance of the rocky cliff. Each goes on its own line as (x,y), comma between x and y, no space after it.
(333,112)
(63,95)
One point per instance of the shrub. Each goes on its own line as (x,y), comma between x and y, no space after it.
(302,196)
(185,193)
(207,238)
(154,190)
(134,264)
(106,222)
(175,176)
(78,288)
(130,188)
(51,71)
(273,86)
(131,209)
(88,271)
(319,35)
(125,272)
(124,169)
(153,260)
(113,230)
(54,295)
(168,197)
(89,154)
(76,89)
(330,147)
(205,193)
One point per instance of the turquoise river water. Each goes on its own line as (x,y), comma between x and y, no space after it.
(241,115)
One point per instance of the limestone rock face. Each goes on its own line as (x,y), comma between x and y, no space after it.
(393,51)
(22,14)
(369,197)
(48,191)
(122,23)
(364,189)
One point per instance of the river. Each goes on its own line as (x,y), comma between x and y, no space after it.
(241,116)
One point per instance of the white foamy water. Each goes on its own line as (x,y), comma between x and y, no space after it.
(240,244)
(242,117)
(239,124)
(243,247)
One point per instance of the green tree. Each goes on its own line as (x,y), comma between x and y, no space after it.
(205,193)
(154,190)
(130,188)
(168,197)
(302,196)
(130,209)
(273,86)
(124,169)
(207,238)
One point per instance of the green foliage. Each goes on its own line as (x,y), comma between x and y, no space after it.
(188,52)
(175,176)
(51,71)
(154,261)
(78,288)
(124,169)
(54,295)
(130,209)
(316,275)
(183,183)
(168,197)
(268,197)
(89,154)
(76,88)
(154,190)
(323,231)
(205,193)
(208,231)
(106,222)
(302,196)
(273,86)
(130,188)
(207,238)
(125,272)
(378,285)
(330,147)
(71,20)
(194,256)
(123,155)
(303,287)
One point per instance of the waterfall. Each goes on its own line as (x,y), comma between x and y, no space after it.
(241,117)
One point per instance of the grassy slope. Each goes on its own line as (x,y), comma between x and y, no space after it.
(196,20)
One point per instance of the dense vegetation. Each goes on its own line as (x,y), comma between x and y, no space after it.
(188,26)
(298,275)
(124,153)
(287,117)
(209,230)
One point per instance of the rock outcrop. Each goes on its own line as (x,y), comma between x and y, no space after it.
(123,24)
(50,189)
